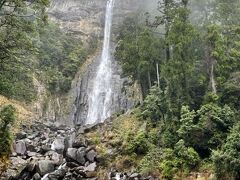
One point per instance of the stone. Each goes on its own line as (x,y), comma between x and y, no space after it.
(58,174)
(81,152)
(30,147)
(45,148)
(21,147)
(21,135)
(72,153)
(44,167)
(91,155)
(58,145)
(69,140)
(80,141)
(91,167)
(32,164)
(32,154)
(72,164)
(33,136)
(134,176)
(36,177)
(16,167)
(55,157)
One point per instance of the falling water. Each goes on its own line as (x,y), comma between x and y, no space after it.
(100,97)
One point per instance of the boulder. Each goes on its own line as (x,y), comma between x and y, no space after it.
(55,157)
(81,152)
(58,145)
(69,140)
(91,167)
(44,167)
(36,177)
(80,141)
(21,135)
(134,176)
(32,164)
(16,167)
(31,147)
(21,147)
(58,174)
(72,153)
(91,155)
(45,148)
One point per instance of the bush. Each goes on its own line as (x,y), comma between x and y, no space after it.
(206,128)
(7,118)
(154,106)
(140,144)
(150,163)
(180,159)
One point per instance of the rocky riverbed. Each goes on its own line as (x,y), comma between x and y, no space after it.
(49,152)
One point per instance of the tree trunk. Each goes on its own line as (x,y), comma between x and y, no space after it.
(149,80)
(158,76)
(212,79)
(210,68)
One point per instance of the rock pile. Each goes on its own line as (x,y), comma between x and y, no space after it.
(47,152)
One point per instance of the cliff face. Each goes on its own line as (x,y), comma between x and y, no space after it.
(85,19)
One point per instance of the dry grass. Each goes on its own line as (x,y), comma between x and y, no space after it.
(4,162)
(23,115)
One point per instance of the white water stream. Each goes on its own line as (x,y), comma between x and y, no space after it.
(100,98)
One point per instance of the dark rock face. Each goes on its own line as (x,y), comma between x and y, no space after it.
(85,19)
(126,93)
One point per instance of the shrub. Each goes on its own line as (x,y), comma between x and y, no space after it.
(140,143)
(7,118)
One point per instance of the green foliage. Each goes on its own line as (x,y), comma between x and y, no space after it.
(181,158)
(7,118)
(227,159)
(150,163)
(19,22)
(154,106)
(139,144)
(60,56)
(231,91)
(206,128)
(138,51)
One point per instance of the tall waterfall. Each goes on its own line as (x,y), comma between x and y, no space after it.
(100,98)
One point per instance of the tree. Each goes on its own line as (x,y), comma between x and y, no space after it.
(7,118)
(178,70)
(20,20)
(138,52)
(207,128)
(154,106)
(227,159)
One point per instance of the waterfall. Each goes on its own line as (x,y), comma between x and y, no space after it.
(100,97)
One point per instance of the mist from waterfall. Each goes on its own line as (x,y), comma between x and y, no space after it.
(100,97)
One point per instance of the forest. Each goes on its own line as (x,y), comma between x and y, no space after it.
(189,74)
(186,59)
